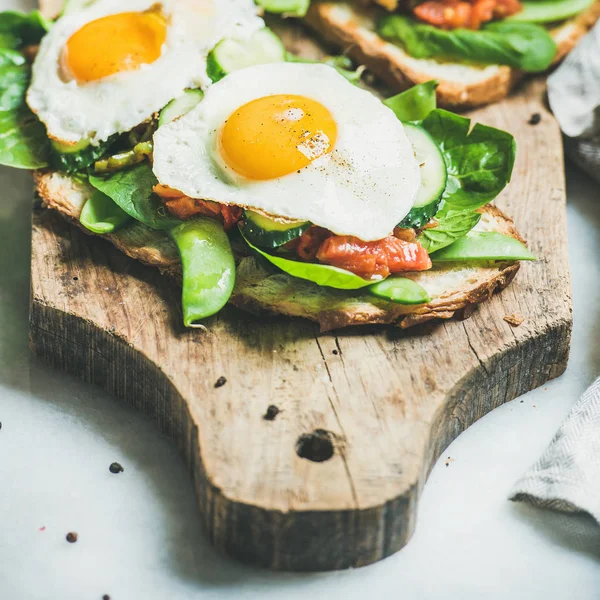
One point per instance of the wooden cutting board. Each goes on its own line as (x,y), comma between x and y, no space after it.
(333,481)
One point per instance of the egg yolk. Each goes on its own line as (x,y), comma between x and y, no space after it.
(113,44)
(277,135)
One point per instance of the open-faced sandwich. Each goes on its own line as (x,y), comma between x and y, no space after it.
(280,187)
(476,49)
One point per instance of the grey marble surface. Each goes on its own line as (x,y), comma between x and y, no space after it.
(139,533)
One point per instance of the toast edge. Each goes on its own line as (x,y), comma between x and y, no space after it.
(383,59)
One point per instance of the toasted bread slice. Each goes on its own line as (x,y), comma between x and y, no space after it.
(454,289)
(461,86)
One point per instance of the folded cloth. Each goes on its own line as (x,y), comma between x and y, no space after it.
(567,476)
(574,96)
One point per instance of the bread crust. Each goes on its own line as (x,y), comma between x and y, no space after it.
(67,196)
(350,27)
(456,289)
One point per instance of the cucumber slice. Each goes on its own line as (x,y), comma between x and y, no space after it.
(290,8)
(548,11)
(180,106)
(434,176)
(401,290)
(231,55)
(69,149)
(77,157)
(269,233)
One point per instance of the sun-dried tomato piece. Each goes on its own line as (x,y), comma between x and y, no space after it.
(470,14)
(183,207)
(310,242)
(368,259)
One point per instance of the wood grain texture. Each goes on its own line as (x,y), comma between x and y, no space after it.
(384,402)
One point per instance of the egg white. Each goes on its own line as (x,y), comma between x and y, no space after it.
(364,187)
(115,104)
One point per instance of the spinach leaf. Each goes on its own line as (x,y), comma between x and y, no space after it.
(479,160)
(20,29)
(324,275)
(14,81)
(344,66)
(23,140)
(452,225)
(132,191)
(9,58)
(72,159)
(522,46)
(414,104)
(341,63)
(8,41)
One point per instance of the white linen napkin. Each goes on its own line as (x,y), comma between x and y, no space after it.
(567,476)
(574,97)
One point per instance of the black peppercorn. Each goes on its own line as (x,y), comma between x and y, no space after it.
(271,413)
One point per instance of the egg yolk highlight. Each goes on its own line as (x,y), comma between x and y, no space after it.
(113,44)
(277,135)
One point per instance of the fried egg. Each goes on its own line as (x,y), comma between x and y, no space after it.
(109,67)
(296,141)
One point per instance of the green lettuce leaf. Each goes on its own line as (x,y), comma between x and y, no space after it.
(414,104)
(479,160)
(452,225)
(324,275)
(522,46)
(132,190)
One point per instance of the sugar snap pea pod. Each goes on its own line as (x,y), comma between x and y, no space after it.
(101,215)
(483,246)
(142,133)
(208,268)
(120,161)
(401,290)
